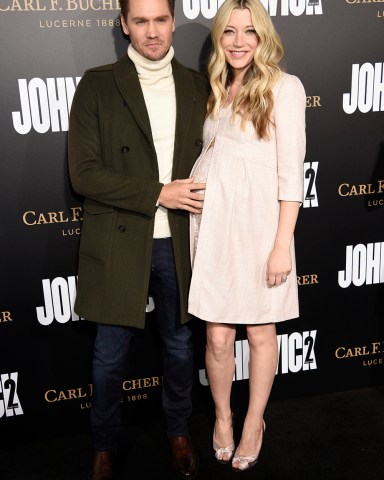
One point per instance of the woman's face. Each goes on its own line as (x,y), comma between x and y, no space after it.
(239,41)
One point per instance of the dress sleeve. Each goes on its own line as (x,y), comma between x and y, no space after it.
(289,118)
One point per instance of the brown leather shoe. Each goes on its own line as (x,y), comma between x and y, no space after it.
(102,466)
(185,461)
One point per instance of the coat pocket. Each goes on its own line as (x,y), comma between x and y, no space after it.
(96,232)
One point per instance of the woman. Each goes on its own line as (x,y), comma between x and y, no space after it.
(242,245)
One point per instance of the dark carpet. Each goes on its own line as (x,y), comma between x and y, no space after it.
(338,436)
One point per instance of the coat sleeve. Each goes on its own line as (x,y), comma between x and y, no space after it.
(89,175)
(290,106)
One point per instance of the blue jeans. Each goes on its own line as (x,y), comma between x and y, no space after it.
(112,345)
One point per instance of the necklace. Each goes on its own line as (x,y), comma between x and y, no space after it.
(227,97)
(228,91)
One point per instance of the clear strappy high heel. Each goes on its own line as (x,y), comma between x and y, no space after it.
(249,461)
(223,454)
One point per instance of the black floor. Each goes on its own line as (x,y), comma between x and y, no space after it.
(337,436)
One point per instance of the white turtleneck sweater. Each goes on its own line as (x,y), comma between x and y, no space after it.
(158,88)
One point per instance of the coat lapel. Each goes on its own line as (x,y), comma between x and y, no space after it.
(185,98)
(129,86)
(127,82)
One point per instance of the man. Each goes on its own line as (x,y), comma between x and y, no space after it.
(135,129)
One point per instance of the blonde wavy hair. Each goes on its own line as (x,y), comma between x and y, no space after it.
(254,101)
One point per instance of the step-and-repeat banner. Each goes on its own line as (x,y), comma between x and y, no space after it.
(336,48)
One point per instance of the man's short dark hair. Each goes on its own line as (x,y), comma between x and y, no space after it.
(125,3)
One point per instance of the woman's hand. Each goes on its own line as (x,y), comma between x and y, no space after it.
(279,266)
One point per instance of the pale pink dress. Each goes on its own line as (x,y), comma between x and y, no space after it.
(232,240)
(200,172)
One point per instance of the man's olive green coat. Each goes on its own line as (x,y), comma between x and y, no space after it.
(113,164)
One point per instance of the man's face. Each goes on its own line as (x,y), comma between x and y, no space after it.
(149,25)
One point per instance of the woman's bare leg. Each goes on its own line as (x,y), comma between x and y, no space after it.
(262,369)
(220,364)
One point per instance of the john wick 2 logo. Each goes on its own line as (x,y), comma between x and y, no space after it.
(296,353)
(367,89)
(59,300)
(364,265)
(310,193)
(208,8)
(9,400)
(45,104)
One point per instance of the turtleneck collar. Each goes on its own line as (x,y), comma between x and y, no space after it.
(152,72)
